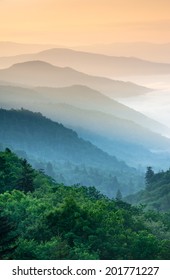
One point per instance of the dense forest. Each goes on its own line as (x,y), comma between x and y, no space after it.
(42,219)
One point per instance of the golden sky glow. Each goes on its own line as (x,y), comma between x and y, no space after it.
(71,22)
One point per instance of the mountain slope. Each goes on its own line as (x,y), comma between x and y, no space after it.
(79,96)
(42,137)
(117,119)
(157,193)
(127,140)
(94,64)
(39,73)
(46,141)
(86,98)
(108,126)
(57,222)
(97,64)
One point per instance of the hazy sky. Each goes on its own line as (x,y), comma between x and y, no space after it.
(71,22)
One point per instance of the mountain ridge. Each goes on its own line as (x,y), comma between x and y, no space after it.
(104,124)
(93,63)
(44,140)
(40,73)
(80,96)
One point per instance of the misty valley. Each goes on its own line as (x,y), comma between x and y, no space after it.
(84,155)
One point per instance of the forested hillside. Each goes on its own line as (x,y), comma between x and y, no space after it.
(40,136)
(45,220)
(157,192)
(63,155)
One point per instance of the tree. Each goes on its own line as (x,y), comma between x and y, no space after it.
(7,150)
(5,173)
(7,237)
(26,180)
(149,175)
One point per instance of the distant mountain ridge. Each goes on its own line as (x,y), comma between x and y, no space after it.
(78,96)
(40,73)
(156,52)
(113,127)
(91,63)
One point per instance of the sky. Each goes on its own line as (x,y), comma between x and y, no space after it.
(82,22)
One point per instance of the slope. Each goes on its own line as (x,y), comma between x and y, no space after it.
(91,63)
(77,96)
(39,73)
(157,193)
(47,141)
(58,222)
(127,140)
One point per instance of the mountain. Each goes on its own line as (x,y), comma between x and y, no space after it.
(143,50)
(157,193)
(134,154)
(89,99)
(104,65)
(78,96)
(46,141)
(39,73)
(132,143)
(106,125)
(96,121)
(44,220)
(93,64)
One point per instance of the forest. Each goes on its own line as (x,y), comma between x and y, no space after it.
(156,195)
(42,219)
(64,155)
(85,130)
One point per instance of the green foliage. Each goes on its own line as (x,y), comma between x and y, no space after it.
(7,237)
(157,193)
(149,176)
(26,180)
(15,173)
(54,221)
